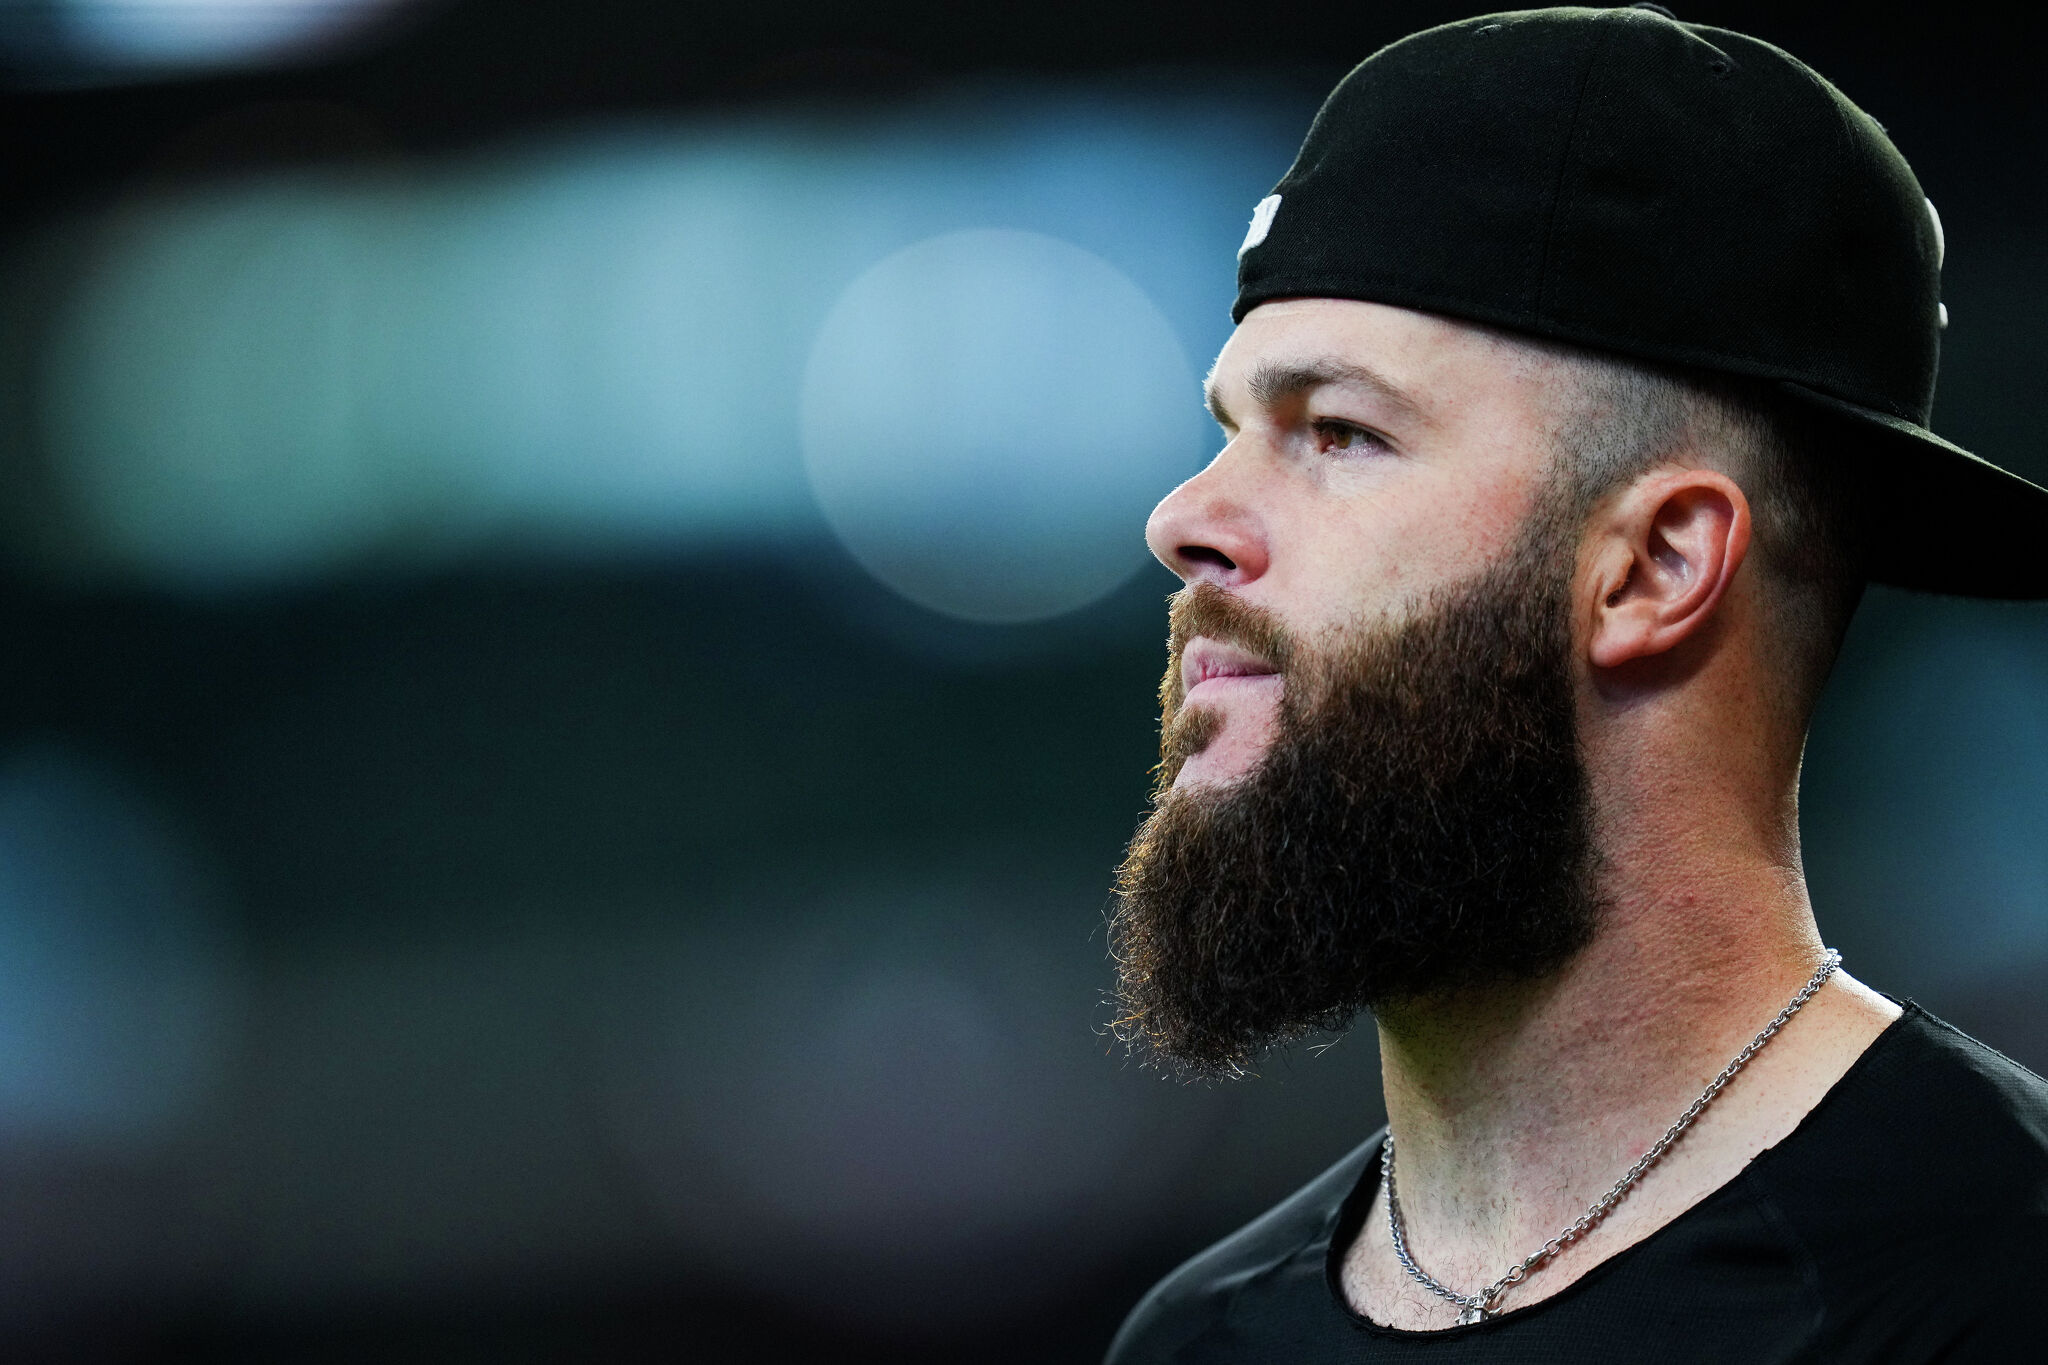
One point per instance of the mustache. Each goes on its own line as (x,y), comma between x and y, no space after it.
(1203,609)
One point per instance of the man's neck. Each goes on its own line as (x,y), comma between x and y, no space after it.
(1516,1108)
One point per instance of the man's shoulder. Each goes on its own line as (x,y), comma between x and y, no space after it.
(1959,1095)
(1933,1141)
(1196,1296)
(1918,1192)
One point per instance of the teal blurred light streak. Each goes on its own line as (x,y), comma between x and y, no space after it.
(587,345)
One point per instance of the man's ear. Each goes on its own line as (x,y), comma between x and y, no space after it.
(1664,552)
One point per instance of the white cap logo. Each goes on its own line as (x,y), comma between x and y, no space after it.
(1940,255)
(1262,222)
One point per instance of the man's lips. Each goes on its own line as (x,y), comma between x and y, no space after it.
(1209,660)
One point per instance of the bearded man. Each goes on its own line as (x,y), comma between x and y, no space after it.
(1581,380)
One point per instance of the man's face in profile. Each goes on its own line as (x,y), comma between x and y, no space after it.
(1370,786)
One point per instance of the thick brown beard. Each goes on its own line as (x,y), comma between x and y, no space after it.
(1420,824)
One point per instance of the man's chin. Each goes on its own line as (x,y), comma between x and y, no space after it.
(1216,767)
(1229,741)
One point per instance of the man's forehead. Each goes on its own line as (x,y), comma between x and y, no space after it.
(1421,365)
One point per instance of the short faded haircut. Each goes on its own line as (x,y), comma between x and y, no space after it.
(1807,543)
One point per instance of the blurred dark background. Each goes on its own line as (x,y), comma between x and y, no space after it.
(578,658)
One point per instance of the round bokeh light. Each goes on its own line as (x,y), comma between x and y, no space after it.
(987,417)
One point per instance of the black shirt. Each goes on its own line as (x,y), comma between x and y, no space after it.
(1904,1220)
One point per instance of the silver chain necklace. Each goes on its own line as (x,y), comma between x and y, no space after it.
(1485,1304)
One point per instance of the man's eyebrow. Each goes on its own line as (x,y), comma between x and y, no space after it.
(1276,381)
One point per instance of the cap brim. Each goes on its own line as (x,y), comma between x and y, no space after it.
(1940,519)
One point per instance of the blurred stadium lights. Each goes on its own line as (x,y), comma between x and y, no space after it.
(895,1085)
(98,40)
(1926,835)
(602,344)
(119,988)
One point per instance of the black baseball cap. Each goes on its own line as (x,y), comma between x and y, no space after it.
(1616,179)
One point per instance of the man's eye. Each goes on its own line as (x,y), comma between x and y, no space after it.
(1332,434)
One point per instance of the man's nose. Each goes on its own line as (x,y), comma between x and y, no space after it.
(1206,530)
